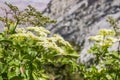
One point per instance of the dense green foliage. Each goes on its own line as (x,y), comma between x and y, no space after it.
(107,60)
(106,63)
(31,53)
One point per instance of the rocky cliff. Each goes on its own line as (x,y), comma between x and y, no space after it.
(78,19)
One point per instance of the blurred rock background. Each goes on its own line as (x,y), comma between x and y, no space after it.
(79,19)
(76,19)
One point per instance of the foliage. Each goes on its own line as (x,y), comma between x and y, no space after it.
(28,17)
(30,53)
(107,61)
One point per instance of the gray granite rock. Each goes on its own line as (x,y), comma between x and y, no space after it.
(79,19)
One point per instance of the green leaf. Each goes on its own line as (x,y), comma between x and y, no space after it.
(1,78)
(6,41)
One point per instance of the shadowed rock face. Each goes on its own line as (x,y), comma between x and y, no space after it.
(78,19)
